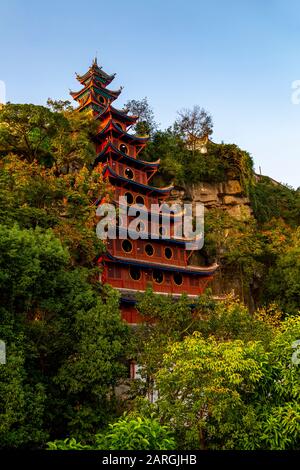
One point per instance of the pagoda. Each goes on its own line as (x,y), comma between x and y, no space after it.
(132,265)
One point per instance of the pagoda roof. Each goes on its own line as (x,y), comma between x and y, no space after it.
(94,69)
(144,163)
(123,114)
(92,86)
(146,187)
(194,270)
(125,136)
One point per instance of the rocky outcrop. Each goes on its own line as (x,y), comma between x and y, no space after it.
(227,195)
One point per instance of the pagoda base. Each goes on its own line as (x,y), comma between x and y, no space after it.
(128,301)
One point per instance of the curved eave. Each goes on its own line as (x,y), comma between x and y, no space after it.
(98,72)
(143,163)
(113,94)
(124,114)
(116,112)
(193,270)
(122,134)
(135,183)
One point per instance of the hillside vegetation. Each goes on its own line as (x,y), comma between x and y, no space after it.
(225,378)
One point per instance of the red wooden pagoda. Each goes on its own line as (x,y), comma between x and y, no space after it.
(132,265)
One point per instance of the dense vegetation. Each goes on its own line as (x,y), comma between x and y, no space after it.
(225,378)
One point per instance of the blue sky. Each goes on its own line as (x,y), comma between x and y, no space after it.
(237,59)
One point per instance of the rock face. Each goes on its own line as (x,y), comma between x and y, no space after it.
(227,195)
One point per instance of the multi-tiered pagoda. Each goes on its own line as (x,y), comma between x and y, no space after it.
(131,265)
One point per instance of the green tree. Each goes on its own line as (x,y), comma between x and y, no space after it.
(62,138)
(65,203)
(74,341)
(26,130)
(205,387)
(146,124)
(95,366)
(127,433)
(194,124)
(283,281)
(22,401)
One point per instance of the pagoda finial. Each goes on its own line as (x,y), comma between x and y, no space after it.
(95,61)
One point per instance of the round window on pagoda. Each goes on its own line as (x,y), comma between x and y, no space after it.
(149,250)
(135,273)
(168,252)
(129,173)
(140,200)
(177,277)
(129,197)
(158,276)
(123,148)
(101,99)
(126,246)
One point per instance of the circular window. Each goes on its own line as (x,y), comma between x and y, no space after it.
(123,148)
(129,173)
(149,250)
(178,279)
(102,99)
(126,246)
(129,197)
(135,273)
(162,231)
(168,253)
(158,276)
(140,200)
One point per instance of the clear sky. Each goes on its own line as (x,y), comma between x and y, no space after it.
(236,58)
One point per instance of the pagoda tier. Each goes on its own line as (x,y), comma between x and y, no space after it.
(97,73)
(157,253)
(117,114)
(129,264)
(94,88)
(138,184)
(111,151)
(114,129)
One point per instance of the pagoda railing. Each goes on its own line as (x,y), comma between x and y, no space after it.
(167,286)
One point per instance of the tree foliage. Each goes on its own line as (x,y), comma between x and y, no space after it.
(127,433)
(146,124)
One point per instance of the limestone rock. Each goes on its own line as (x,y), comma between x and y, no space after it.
(235,200)
(232,187)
